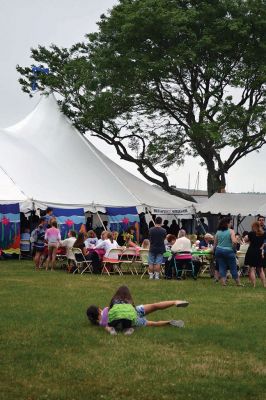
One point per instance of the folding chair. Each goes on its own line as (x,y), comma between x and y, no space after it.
(241,263)
(240,258)
(82,264)
(62,260)
(144,261)
(144,255)
(162,269)
(185,259)
(207,264)
(113,260)
(128,257)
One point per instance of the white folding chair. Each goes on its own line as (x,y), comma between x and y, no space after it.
(240,256)
(206,264)
(82,264)
(127,258)
(114,261)
(144,261)
(62,260)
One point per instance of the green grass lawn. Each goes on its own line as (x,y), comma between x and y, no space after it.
(48,350)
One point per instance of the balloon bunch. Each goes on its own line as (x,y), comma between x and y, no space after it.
(35,71)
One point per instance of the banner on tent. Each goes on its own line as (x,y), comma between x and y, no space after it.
(169,211)
(121,219)
(10,228)
(69,220)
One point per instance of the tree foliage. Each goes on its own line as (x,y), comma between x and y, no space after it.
(163,79)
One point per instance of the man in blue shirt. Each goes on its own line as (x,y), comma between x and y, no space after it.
(157,234)
(47,218)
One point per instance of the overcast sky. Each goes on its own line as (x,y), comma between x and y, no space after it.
(28,23)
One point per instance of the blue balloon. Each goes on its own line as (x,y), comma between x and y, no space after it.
(40,69)
(37,69)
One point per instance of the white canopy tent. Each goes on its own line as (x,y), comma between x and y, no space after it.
(49,163)
(234,204)
(9,192)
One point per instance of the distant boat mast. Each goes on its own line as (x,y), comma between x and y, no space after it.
(197,182)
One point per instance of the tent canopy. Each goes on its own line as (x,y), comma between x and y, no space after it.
(9,192)
(234,204)
(51,163)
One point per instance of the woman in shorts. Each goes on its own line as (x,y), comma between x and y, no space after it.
(53,237)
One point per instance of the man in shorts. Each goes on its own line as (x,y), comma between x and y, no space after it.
(157,235)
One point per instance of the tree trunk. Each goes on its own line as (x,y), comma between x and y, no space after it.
(216,182)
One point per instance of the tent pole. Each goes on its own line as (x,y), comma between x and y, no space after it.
(151,217)
(240,220)
(176,218)
(101,221)
(197,219)
(237,222)
(31,215)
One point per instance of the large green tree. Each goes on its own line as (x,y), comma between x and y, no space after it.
(163,79)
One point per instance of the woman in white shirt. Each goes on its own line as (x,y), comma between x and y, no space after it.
(183,257)
(182,243)
(103,237)
(92,240)
(108,244)
(68,244)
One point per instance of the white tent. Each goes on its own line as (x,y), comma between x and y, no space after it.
(51,163)
(9,193)
(234,204)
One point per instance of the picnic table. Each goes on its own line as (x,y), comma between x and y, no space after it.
(193,253)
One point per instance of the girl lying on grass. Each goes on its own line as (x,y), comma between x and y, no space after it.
(123,315)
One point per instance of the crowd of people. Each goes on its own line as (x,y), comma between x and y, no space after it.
(167,246)
(47,244)
(222,247)
(122,314)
